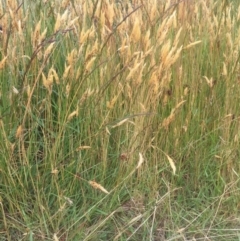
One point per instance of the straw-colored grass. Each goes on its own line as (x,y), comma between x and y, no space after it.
(119,120)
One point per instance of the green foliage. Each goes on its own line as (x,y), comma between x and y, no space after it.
(119,120)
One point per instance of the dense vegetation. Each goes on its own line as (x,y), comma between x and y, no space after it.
(119,120)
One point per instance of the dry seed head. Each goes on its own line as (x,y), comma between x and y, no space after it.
(110,13)
(55,75)
(55,238)
(78,73)
(64,16)
(162,29)
(72,22)
(35,35)
(73,114)
(111,103)
(57,24)
(236,138)
(42,36)
(50,76)
(47,82)
(14,55)
(95,47)
(192,44)
(133,70)
(176,56)
(154,83)
(136,31)
(138,79)
(171,59)
(128,54)
(140,161)
(85,95)
(146,41)
(171,20)
(20,32)
(3,62)
(11,14)
(90,64)
(186,91)
(176,39)
(98,10)
(19,131)
(178,106)
(48,50)
(210,82)
(224,72)
(153,11)
(28,90)
(165,51)
(107,130)
(230,20)
(167,121)
(171,162)
(91,51)
(55,171)
(123,46)
(98,186)
(166,97)
(86,35)
(66,71)
(120,123)
(68,88)
(83,148)
(129,91)
(180,72)
(40,55)
(15,90)
(70,202)
(102,20)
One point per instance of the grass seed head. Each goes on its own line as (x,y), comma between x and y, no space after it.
(165,51)
(98,186)
(19,131)
(48,82)
(224,72)
(3,62)
(111,103)
(36,34)
(90,64)
(110,13)
(55,75)
(48,50)
(68,88)
(73,114)
(58,23)
(66,71)
(136,31)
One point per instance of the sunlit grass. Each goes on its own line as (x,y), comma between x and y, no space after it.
(119,120)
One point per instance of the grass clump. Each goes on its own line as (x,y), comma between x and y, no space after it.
(119,120)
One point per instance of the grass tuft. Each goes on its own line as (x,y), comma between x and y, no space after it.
(119,120)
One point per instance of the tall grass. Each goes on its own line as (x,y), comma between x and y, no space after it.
(119,120)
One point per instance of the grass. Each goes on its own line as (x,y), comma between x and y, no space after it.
(119,120)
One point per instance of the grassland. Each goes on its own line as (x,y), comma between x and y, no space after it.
(120,120)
